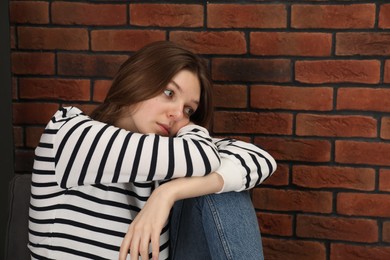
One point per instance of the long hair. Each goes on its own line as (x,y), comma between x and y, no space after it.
(147,73)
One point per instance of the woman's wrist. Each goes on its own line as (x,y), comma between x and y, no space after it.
(183,188)
(165,194)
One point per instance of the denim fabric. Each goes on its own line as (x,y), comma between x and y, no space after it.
(217,226)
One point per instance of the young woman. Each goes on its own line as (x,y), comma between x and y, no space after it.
(104,186)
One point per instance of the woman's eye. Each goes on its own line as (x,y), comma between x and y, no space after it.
(168,92)
(189,111)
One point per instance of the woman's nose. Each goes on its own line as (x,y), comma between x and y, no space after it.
(176,113)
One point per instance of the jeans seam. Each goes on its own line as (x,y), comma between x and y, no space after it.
(220,231)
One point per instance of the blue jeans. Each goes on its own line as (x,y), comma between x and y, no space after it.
(216,226)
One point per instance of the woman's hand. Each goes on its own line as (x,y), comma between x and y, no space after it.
(146,227)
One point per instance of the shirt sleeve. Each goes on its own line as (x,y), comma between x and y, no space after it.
(243,165)
(91,152)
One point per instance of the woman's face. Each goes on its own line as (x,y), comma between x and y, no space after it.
(167,112)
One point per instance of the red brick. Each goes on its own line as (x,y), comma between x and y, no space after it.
(283,249)
(363,204)
(358,252)
(246,16)
(290,97)
(386,232)
(384,16)
(229,42)
(73,64)
(12,37)
(384,180)
(333,16)
(33,113)
(18,136)
(53,38)
(337,71)
(296,149)
(275,224)
(24,160)
(123,40)
(362,43)
(28,12)
(71,13)
(292,200)
(86,108)
(241,69)
(40,63)
(364,99)
(337,125)
(231,96)
(14,88)
(248,122)
(100,89)
(33,135)
(63,89)
(337,228)
(372,153)
(290,43)
(333,177)
(385,128)
(280,177)
(386,78)
(166,15)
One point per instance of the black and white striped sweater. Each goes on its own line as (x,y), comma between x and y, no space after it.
(91,179)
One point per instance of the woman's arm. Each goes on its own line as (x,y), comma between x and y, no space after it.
(90,152)
(243,165)
(146,227)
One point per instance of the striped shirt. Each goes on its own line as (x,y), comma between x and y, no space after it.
(90,180)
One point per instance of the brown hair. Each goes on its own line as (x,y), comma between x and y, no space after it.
(146,74)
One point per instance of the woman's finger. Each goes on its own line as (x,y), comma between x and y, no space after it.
(125,246)
(134,247)
(155,242)
(144,246)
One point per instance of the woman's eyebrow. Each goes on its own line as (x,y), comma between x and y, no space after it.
(177,86)
(181,91)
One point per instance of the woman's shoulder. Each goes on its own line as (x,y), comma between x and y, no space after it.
(68,112)
(64,115)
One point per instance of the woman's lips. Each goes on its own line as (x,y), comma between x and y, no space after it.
(165,129)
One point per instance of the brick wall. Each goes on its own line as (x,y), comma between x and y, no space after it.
(307,80)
